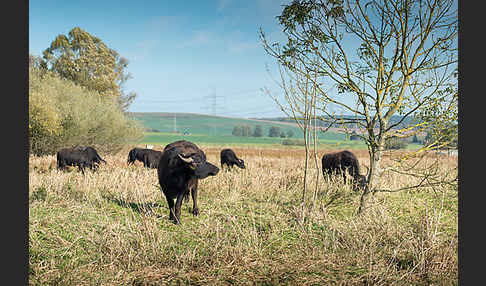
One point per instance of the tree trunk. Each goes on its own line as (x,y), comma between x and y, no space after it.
(374,171)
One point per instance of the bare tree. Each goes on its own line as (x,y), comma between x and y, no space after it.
(404,63)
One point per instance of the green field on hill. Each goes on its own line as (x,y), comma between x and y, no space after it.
(215,125)
(162,138)
(216,130)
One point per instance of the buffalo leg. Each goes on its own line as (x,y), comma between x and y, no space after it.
(178,206)
(170,202)
(81,168)
(195,209)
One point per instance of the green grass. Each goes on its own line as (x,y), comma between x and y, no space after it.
(162,138)
(214,125)
(214,130)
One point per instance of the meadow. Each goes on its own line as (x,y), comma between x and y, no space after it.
(216,125)
(111,227)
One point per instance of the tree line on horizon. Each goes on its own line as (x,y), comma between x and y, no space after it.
(245,130)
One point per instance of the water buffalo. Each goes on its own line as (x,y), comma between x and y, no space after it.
(79,156)
(151,158)
(92,155)
(134,155)
(228,158)
(181,166)
(339,162)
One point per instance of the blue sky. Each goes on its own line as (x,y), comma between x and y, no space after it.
(184,56)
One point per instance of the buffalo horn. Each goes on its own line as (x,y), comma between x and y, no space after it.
(187,160)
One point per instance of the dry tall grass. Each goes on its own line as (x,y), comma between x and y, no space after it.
(111,228)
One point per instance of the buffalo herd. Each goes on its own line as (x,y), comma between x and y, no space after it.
(181,164)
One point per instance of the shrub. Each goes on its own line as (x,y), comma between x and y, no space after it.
(237,130)
(354,136)
(395,143)
(63,114)
(293,142)
(258,131)
(274,131)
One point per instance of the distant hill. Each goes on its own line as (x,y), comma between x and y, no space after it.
(394,119)
(191,123)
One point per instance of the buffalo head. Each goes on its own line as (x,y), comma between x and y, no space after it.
(198,165)
(241,163)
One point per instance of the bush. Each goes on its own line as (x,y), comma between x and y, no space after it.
(274,131)
(354,136)
(395,143)
(63,114)
(258,131)
(293,142)
(237,131)
(242,130)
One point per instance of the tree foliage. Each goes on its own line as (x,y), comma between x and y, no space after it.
(62,114)
(242,130)
(290,133)
(274,131)
(404,63)
(86,60)
(258,131)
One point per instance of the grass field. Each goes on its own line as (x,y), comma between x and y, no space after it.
(111,227)
(215,130)
(215,125)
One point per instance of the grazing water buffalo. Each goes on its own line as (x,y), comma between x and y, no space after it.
(181,166)
(339,162)
(134,155)
(151,158)
(78,156)
(228,157)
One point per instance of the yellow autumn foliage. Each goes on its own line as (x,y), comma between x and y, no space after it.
(62,114)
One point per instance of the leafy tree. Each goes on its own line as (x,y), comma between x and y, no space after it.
(274,131)
(246,130)
(354,136)
(290,133)
(258,131)
(415,139)
(86,60)
(62,113)
(395,143)
(405,63)
(282,134)
(237,130)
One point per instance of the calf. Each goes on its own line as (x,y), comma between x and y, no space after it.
(228,158)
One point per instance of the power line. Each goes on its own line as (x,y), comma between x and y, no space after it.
(213,98)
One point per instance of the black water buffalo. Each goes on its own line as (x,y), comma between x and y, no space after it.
(151,158)
(135,154)
(181,166)
(79,156)
(92,155)
(228,158)
(339,162)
